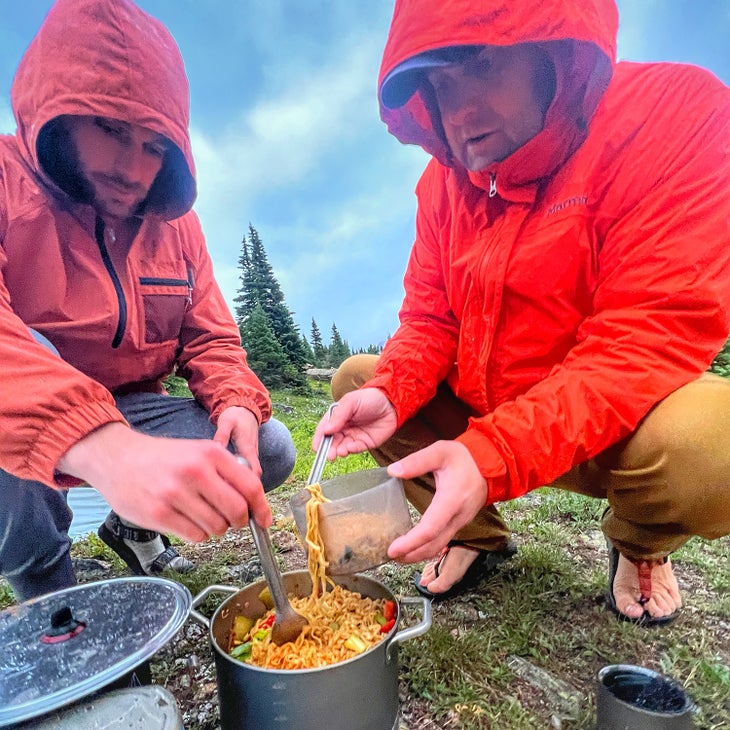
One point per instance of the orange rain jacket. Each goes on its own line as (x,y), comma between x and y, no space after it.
(596,279)
(120,322)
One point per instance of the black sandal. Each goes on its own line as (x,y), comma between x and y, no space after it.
(646,619)
(113,532)
(485,563)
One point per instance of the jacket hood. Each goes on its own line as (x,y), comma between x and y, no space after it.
(109,58)
(579,37)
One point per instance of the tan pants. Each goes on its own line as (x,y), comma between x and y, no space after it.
(667,482)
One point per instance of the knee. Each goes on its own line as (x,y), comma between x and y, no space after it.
(690,425)
(277,453)
(352,374)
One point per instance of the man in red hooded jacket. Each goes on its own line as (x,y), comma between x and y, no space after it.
(106,287)
(567,290)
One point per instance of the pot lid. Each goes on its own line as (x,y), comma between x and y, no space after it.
(63,646)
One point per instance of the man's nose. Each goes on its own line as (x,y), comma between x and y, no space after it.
(130,162)
(459,110)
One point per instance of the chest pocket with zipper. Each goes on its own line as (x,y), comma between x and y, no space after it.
(164,301)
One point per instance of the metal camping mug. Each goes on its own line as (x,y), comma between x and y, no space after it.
(641,699)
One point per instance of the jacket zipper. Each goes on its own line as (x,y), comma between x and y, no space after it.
(492,184)
(122,323)
(191,282)
(161,281)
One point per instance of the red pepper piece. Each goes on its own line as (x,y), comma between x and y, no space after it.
(389,610)
(386,627)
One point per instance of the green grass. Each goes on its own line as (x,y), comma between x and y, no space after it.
(301,414)
(543,610)
(546,606)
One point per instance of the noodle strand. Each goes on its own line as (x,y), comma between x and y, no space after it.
(342,623)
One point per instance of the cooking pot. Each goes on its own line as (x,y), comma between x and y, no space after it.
(358,694)
(70,645)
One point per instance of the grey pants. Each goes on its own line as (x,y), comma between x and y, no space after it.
(34,519)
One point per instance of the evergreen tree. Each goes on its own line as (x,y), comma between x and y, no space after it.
(261,287)
(318,348)
(266,357)
(338,350)
(244,304)
(308,351)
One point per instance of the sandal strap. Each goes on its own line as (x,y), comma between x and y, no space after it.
(163,560)
(439,560)
(135,534)
(645,568)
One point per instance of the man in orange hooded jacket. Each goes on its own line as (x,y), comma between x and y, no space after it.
(568,287)
(106,287)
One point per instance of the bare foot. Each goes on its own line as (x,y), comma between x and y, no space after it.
(665,597)
(441,573)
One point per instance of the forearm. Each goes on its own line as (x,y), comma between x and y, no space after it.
(94,457)
(596,397)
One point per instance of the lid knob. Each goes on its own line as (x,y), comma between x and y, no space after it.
(63,626)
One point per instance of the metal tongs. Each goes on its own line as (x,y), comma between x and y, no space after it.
(288,623)
(320,458)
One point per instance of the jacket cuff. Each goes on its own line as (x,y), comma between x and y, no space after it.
(490,463)
(249,404)
(59,436)
(403,407)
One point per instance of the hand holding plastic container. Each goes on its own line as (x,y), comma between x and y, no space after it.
(367,511)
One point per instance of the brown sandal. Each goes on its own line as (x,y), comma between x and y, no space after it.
(485,563)
(644,567)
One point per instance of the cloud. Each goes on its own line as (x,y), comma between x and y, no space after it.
(636,20)
(314,170)
(277,141)
(342,262)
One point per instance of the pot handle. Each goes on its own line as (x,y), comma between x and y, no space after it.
(412,631)
(202,596)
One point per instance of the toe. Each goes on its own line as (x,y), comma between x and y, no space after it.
(450,568)
(630,608)
(429,573)
(665,598)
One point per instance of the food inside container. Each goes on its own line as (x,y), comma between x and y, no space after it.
(342,624)
(366,511)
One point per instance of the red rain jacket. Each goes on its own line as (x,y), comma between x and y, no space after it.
(596,280)
(121,322)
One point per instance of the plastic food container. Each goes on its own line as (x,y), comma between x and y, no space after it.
(367,511)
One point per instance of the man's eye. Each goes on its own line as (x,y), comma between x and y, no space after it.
(108,128)
(480,65)
(156,150)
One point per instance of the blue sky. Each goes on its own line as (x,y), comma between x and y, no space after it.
(286,135)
